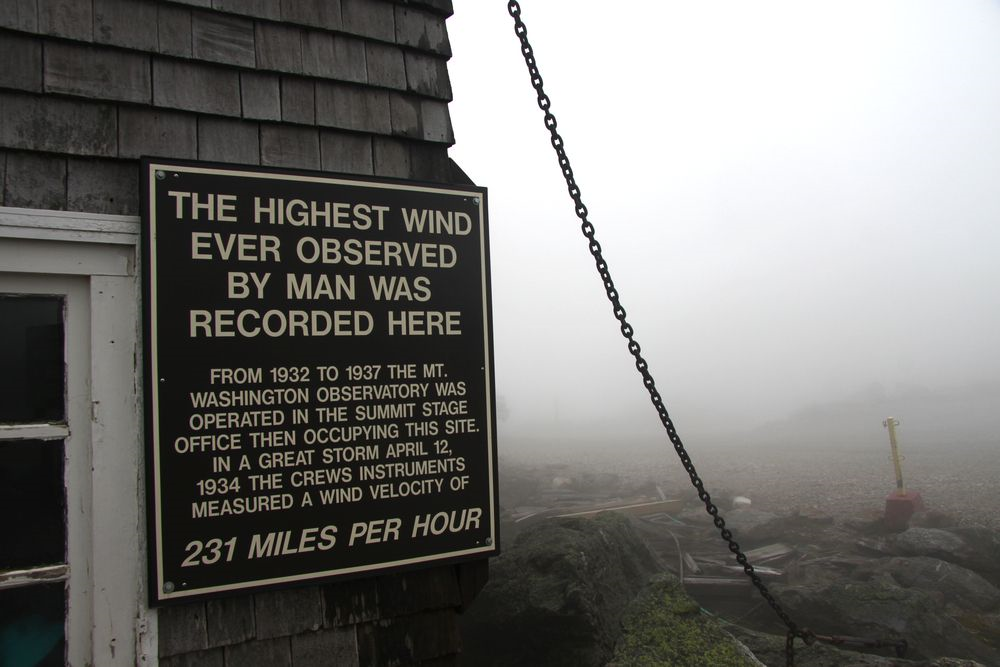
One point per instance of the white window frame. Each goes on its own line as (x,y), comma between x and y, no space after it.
(91,260)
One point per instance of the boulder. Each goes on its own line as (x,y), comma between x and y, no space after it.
(933,542)
(741,522)
(665,627)
(879,608)
(934,519)
(795,528)
(986,628)
(770,649)
(556,596)
(948,583)
(974,548)
(983,554)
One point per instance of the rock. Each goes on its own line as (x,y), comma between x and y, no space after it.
(770,649)
(933,519)
(879,608)
(986,627)
(744,522)
(984,551)
(747,521)
(796,528)
(665,627)
(866,525)
(933,542)
(556,596)
(949,583)
(977,549)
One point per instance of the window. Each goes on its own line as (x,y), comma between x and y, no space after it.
(32,491)
(72,558)
(43,390)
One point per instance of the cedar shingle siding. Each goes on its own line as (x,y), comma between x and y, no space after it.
(356,86)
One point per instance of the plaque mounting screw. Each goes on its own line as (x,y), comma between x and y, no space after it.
(489,540)
(476,201)
(160,175)
(168,587)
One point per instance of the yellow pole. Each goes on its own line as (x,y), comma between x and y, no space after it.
(891,423)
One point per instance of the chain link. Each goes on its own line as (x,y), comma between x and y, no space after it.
(545,104)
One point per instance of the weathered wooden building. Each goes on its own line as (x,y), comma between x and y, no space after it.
(86,88)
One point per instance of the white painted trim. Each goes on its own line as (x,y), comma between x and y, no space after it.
(117,496)
(33,431)
(27,223)
(66,257)
(147,637)
(36,575)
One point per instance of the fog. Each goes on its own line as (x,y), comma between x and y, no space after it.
(799,204)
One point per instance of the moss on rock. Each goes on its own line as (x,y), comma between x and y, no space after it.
(663,627)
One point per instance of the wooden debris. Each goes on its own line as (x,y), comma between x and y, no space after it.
(727,586)
(771,552)
(761,570)
(635,509)
(691,564)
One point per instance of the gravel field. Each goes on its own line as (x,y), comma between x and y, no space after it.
(962,480)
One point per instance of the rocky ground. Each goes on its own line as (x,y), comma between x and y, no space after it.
(959,480)
(608,591)
(932,586)
(840,479)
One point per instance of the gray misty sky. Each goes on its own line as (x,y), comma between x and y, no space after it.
(799,202)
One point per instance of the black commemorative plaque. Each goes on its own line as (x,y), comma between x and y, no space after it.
(319,376)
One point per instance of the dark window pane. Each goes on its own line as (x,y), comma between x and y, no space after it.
(32,372)
(32,619)
(32,503)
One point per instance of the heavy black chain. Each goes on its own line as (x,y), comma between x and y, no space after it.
(514,8)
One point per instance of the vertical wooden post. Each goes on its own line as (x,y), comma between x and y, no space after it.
(891,424)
